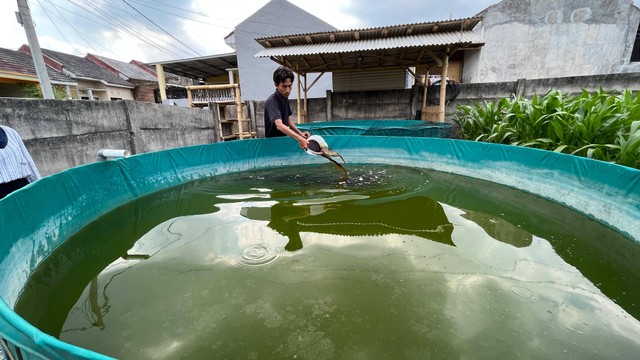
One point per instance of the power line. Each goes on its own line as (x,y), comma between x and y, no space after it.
(142,28)
(71,25)
(155,2)
(122,27)
(80,15)
(129,19)
(116,25)
(151,21)
(183,17)
(135,19)
(57,28)
(127,11)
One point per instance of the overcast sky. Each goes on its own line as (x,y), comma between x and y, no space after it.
(157,30)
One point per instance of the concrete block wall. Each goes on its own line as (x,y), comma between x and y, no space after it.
(61,134)
(575,84)
(158,127)
(374,105)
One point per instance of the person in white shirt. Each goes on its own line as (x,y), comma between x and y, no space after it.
(17,168)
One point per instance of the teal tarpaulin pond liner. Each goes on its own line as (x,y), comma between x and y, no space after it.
(407,128)
(40,217)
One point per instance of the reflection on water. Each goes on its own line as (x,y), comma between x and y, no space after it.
(295,263)
(500,229)
(352,216)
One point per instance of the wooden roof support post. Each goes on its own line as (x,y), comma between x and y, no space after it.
(240,112)
(162,83)
(306,112)
(425,83)
(298,71)
(189,96)
(423,111)
(443,86)
(314,81)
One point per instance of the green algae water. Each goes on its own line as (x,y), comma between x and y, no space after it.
(301,263)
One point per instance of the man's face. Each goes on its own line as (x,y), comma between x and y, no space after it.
(284,88)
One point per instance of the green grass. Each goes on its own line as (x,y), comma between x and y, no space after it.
(602,125)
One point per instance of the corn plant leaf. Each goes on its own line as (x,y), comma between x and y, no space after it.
(583,148)
(633,143)
(560,148)
(544,140)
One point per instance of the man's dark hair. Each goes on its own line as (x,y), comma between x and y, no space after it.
(281,74)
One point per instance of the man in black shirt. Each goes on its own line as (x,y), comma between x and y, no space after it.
(277,109)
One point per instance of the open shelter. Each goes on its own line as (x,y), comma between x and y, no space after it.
(399,46)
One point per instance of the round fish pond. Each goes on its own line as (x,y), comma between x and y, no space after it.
(428,248)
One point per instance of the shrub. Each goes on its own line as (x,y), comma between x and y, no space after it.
(603,126)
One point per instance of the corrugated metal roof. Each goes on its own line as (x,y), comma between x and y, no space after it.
(201,67)
(423,40)
(397,46)
(380,31)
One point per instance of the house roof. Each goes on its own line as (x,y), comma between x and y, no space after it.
(438,39)
(201,67)
(82,68)
(377,32)
(391,46)
(131,71)
(19,63)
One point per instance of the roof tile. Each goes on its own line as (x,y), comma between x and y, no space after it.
(19,62)
(129,70)
(85,68)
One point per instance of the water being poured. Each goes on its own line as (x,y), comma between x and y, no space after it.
(299,262)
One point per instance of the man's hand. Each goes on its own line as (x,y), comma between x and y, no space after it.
(305,134)
(303,142)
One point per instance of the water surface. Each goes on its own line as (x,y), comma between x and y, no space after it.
(299,262)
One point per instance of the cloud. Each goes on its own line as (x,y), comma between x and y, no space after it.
(339,13)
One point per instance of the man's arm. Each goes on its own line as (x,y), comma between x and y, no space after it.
(293,126)
(35,174)
(296,134)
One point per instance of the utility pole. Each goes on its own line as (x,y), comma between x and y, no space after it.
(24,18)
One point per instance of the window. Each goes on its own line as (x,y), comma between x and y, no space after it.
(635,54)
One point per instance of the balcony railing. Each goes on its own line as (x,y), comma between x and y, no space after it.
(204,94)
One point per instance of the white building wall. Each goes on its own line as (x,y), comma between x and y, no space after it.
(553,38)
(120,93)
(278,17)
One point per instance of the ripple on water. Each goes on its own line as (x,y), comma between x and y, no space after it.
(521,292)
(257,255)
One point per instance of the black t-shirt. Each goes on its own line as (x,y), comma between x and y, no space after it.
(4,139)
(275,107)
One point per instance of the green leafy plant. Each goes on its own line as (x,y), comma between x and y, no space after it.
(31,90)
(603,125)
